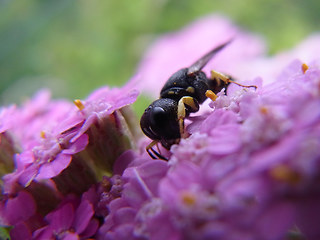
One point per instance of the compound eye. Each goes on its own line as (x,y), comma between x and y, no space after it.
(158,116)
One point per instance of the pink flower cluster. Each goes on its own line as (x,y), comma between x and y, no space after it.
(53,153)
(249,170)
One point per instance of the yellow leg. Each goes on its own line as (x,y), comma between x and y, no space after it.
(219,77)
(189,101)
(226,79)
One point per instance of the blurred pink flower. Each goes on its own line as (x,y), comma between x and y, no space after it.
(177,50)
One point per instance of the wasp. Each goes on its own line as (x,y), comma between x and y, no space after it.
(182,94)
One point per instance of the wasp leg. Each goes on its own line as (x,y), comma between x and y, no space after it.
(219,77)
(183,102)
(153,153)
(241,85)
(226,80)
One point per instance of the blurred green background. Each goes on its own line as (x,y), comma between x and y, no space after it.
(75,46)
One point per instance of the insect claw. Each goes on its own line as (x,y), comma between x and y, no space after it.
(153,153)
(150,153)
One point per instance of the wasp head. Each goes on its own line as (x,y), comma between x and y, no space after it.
(159,121)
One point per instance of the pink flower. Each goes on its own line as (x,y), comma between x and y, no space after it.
(67,132)
(68,152)
(21,212)
(71,220)
(140,188)
(247,169)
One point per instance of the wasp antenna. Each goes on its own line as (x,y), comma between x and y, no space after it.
(199,64)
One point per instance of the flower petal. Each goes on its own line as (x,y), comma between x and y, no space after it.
(53,168)
(83,216)
(61,219)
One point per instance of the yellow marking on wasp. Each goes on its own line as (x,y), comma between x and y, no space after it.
(171,92)
(79,104)
(182,112)
(190,89)
(219,76)
(304,67)
(211,95)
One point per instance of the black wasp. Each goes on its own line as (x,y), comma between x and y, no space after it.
(163,120)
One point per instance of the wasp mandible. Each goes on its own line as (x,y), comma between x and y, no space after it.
(185,90)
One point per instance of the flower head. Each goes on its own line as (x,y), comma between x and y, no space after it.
(67,153)
(71,220)
(67,133)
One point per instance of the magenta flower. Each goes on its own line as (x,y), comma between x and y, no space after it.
(66,134)
(31,129)
(63,155)
(140,188)
(20,212)
(71,220)
(24,208)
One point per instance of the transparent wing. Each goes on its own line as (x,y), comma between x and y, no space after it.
(199,64)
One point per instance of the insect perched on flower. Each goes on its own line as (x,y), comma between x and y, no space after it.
(185,90)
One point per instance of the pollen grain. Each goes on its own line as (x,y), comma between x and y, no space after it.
(304,67)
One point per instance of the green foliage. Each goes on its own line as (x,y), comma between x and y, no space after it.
(75,46)
(4,233)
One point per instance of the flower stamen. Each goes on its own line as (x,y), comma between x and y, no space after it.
(264,110)
(283,173)
(43,134)
(79,104)
(304,68)
(188,198)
